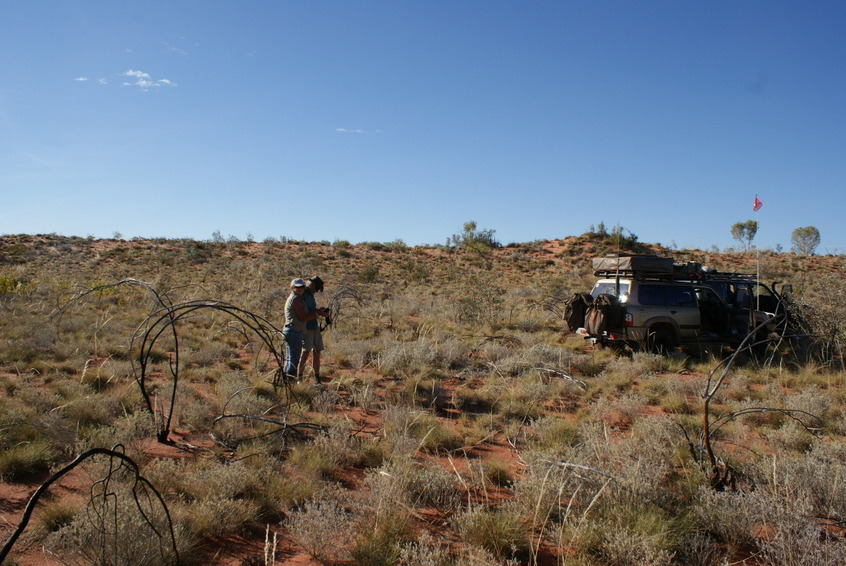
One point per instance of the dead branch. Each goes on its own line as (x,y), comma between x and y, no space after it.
(165,320)
(279,427)
(791,413)
(117,461)
(721,475)
(162,299)
(344,295)
(561,374)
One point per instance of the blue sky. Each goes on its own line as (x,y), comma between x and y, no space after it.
(385,120)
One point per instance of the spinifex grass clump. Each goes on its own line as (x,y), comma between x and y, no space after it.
(368,526)
(408,482)
(421,427)
(27,443)
(497,530)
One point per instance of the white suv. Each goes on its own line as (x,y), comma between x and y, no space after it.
(650,302)
(658,313)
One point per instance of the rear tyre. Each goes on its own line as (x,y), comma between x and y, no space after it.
(659,341)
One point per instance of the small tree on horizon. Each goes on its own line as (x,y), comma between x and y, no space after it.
(473,239)
(805,240)
(744,232)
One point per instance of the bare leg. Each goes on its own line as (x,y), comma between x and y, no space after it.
(315,364)
(303,363)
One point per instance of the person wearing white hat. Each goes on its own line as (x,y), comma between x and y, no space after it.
(296,316)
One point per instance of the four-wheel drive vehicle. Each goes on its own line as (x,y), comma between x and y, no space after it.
(650,303)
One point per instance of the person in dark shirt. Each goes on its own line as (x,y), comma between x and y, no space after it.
(313,340)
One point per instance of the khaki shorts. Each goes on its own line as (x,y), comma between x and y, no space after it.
(313,341)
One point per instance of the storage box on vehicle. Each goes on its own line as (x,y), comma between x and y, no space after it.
(634,262)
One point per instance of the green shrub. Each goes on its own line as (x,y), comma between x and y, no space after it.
(11,285)
(369,274)
(24,459)
(380,545)
(499,531)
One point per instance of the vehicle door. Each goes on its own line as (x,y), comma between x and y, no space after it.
(683,308)
(646,305)
(751,295)
(715,313)
(660,302)
(763,298)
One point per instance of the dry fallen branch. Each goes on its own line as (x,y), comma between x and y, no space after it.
(163,323)
(581,384)
(794,414)
(278,427)
(162,299)
(144,495)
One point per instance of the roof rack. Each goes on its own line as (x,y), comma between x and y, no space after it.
(718,276)
(694,277)
(610,274)
(647,266)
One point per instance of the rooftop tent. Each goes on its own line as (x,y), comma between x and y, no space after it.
(622,262)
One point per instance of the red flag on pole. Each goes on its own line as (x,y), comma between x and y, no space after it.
(756,206)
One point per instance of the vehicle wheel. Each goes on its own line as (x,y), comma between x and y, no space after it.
(659,341)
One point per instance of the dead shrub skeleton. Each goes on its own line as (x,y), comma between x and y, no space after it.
(102,517)
(721,475)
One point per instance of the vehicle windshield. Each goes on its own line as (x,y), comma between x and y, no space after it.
(609,288)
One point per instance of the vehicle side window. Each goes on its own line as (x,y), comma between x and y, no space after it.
(742,298)
(730,295)
(761,291)
(720,288)
(648,294)
(680,296)
(765,299)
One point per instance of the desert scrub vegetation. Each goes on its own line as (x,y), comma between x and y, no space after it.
(458,423)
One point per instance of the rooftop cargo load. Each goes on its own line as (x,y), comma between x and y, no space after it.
(625,262)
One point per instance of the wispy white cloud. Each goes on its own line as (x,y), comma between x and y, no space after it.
(348,131)
(144,81)
(174,49)
(100,81)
